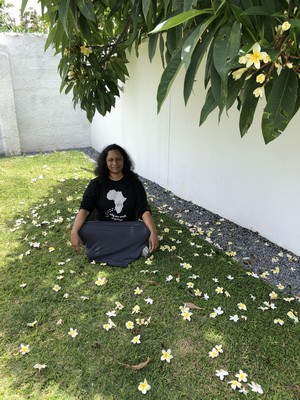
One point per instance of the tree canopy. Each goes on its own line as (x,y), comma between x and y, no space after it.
(250,49)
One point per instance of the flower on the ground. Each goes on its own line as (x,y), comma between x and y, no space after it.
(244,391)
(101,281)
(197,292)
(166,355)
(275,270)
(73,333)
(51,249)
(206,296)
(213,314)
(190,285)
(144,387)
(255,387)
(264,275)
(169,278)
(216,280)
(137,290)
(219,290)
(111,313)
(56,288)
(119,306)
(136,339)
(221,373)
(258,92)
(292,315)
(149,300)
(32,324)
(218,311)
(24,348)
(109,325)
(273,295)
(214,353)
(186,265)
(219,348)
(40,366)
(129,325)
(135,309)
(242,306)
(235,384)
(186,315)
(280,286)
(230,278)
(242,376)
(234,318)
(278,321)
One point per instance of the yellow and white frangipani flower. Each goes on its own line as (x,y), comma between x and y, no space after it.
(219,348)
(148,262)
(260,78)
(138,291)
(136,309)
(149,300)
(197,292)
(111,313)
(239,72)
(40,366)
(119,306)
(218,310)
(264,275)
(256,56)
(273,295)
(186,315)
(214,353)
(213,314)
(280,286)
(86,50)
(243,59)
(56,288)
(184,308)
(24,349)
(109,325)
(73,333)
(285,26)
(234,318)
(140,321)
(289,299)
(293,316)
(136,339)
(255,387)
(186,265)
(278,321)
(144,387)
(190,285)
(166,355)
(221,373)
(242,376)
(242,306)
(219,290)
(227,294)
(235,384)
(101,281)
(276,270)
(258,92)
(205,296)
(129,325)
(32,324)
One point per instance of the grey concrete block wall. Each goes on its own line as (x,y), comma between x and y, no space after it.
(46,119)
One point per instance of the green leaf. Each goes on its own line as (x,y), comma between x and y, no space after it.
(209,106)
(23,6)
(280,106)
(180,19)
(167,79)
(86,8)
(63,13)
(248,106)
(197,57)
(146,6)
(152,44)
(257,10)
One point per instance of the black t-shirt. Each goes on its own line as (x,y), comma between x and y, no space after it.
(123,200)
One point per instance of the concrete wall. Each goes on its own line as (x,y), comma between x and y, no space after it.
(252,184)
(45,119)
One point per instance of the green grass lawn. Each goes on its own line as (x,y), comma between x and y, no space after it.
(45,290)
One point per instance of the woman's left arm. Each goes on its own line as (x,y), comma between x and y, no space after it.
(153,239)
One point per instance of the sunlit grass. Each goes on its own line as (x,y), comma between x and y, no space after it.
(39,198)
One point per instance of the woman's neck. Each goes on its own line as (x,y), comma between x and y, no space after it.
(116,177)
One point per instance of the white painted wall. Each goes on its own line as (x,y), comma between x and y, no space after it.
(252,184)
(46,119)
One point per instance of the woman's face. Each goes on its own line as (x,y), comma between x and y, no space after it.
(115,162)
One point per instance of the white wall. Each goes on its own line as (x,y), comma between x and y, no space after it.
(46,119)
(252,184)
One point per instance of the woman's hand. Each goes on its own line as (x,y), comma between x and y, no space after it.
(153,241)
(76,241)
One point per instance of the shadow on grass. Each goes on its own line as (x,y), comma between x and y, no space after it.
(92,365)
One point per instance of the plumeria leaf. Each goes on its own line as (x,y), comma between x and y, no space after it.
(209,106)
(86,7)
(248,106)
(138,366)
(180,19)
(280,106)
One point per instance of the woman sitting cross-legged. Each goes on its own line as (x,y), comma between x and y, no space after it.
(114,221)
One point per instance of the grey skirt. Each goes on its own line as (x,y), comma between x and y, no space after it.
(115,243)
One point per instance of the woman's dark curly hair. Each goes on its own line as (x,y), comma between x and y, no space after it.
(102,171)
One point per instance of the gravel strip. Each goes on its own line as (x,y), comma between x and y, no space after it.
(255,252)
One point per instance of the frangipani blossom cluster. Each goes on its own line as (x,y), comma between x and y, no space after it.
(239,381)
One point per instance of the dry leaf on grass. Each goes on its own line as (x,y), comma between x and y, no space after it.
(193,306)
(138,366)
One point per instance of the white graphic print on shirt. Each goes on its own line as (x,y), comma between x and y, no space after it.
(118,198)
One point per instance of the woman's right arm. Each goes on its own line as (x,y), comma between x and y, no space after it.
(78,222)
